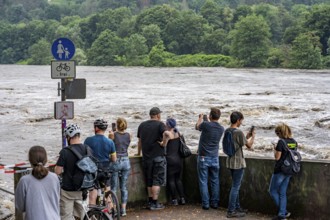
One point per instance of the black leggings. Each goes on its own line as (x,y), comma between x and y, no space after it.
(174,184)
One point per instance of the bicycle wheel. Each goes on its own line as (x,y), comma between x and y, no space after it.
(113,205)
(95,214)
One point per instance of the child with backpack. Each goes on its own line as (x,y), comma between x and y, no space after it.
(281,176)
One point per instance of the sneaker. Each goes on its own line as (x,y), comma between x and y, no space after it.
(287,214)
(205,207)
(182,201)
(123,213)
(214,206)
(235,214)
(156,206)
(240,209)
(174,202)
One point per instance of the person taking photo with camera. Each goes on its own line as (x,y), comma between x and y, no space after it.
(208,165)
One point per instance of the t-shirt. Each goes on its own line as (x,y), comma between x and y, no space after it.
(237,161)
(210,138)
(291,143)
(151,133)
(101,146)
(68,161)
(39,199)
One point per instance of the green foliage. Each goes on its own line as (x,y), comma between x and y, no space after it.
(250,41)
(199,60)
(105,49)
(39,53)
(157,55)
(306,53)
(158,32)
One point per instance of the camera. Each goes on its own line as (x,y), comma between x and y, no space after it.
(251,129)
(205,118)
(113,125)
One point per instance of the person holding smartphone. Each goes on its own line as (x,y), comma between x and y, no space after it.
(236,163)
(122,141)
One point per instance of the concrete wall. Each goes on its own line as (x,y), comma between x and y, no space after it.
(308,193)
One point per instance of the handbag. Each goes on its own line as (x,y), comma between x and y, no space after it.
(184,150)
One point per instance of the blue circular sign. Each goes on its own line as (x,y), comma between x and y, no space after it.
(63,49)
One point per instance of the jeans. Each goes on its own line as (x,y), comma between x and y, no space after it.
(277,190)
(237,176)
(120,177)
(209,166)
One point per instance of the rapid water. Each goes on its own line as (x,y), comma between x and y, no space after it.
(266,97)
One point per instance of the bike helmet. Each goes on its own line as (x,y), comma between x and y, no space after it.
(72,130)
(101,124)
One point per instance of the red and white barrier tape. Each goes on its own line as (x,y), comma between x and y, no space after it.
(12,165)
(3,169)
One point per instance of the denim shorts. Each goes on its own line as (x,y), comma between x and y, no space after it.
(155,171)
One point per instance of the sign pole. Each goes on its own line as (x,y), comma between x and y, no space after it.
(63,120)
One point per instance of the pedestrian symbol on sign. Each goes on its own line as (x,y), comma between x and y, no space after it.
(63,49)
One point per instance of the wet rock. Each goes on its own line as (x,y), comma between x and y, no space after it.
(323,123)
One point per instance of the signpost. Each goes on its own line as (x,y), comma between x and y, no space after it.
(64,68)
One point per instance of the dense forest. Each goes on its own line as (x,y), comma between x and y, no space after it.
(229,33)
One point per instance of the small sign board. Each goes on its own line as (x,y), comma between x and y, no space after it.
(63,110)
(63,49)
(63,69)
(75,89)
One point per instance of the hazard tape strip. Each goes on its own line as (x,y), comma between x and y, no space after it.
(12,165)
(10,171)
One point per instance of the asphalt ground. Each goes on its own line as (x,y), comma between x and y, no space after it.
(186,212)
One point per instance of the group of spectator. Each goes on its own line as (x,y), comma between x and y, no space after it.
(158,143)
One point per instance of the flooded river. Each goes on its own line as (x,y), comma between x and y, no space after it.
(266,97)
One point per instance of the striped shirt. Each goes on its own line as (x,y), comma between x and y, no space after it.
(237,161)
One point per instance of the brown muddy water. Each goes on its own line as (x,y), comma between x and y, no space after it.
(266,97)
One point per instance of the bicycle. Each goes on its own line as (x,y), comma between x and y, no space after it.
(107,204)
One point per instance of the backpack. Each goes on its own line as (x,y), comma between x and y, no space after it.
(228,145)
(86,172)
(291,163)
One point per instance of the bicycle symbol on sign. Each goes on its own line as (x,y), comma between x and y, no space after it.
(63,66)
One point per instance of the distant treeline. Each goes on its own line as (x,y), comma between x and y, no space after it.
(229,33)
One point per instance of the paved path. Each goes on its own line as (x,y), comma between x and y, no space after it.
(186,212)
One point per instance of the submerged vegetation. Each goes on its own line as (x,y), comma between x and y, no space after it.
(205,33)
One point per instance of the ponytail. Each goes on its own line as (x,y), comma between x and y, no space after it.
(38,159)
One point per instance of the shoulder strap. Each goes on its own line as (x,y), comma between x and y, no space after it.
(75,152)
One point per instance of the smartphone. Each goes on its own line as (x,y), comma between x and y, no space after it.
(205,118)
(113,126)
(252,129)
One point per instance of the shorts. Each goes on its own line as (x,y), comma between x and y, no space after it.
(70,204)
(155,171)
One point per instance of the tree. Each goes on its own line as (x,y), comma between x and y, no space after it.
(39,53)
(218,17)
(306,53)
(250,41)
(135,46)
(152,35)
(319,21)
(105,49)
(186,32)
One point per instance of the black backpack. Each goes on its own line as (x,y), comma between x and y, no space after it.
(86,172)
(292,162)
(228,145)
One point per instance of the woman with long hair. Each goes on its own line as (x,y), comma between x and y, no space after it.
(38,194)
(280,181)
(121,167)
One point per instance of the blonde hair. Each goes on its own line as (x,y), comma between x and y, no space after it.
(121,124)
(283,131)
